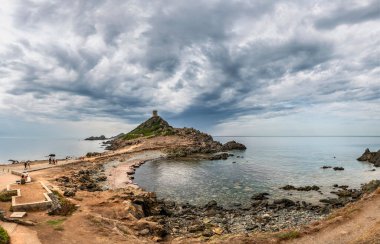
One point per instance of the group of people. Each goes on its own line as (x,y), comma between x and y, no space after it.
(52,160)
(25,178)
(27,165)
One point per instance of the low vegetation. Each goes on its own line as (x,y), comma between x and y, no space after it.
(4,237)
(154,126)
(6,196)
(56,223)
(288,235)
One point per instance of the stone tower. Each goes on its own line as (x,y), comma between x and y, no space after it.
(155,113)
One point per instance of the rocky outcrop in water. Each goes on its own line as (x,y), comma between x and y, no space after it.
(371,157)
(338,168)
(233,145)
(302,188)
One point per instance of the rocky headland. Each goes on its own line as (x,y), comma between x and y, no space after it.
(371,157)
(196,144)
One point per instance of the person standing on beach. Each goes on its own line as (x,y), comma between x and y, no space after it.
(49,159)
(28,163)
(25,164)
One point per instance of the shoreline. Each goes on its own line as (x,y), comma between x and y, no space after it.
(81,181)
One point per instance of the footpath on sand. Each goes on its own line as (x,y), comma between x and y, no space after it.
(20,234)
(358,223)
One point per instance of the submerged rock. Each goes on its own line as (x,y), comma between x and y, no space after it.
(302,188)
(260,196)
(211,204)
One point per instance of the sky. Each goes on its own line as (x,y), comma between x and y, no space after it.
(247,68)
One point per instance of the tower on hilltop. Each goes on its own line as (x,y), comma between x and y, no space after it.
(155,113)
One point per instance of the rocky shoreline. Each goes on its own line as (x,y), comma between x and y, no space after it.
(185,220)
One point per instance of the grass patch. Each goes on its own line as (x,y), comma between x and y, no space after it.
(56,223)
(6,196)
(154,126)
(4,237)
(288,235)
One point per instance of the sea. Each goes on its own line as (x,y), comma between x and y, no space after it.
(268,164)
(39,148)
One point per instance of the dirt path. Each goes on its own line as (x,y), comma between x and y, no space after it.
(20,234)
(359,223)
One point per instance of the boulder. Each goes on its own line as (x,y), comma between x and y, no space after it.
(211,204)
(221,156)
(69,192)
(233,145)
(286,202)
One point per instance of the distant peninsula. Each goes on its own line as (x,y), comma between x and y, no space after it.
(96,138)
(188,142)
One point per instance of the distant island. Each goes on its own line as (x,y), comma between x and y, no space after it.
(96,138)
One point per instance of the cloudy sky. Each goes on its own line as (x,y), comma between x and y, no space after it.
(233,67)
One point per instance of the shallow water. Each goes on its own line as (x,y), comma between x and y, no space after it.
(267,164)
(38,148)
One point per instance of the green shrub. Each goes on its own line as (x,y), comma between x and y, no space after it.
(6,196)
(288,235)
(4,237)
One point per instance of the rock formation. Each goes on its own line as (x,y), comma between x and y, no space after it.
(371,157)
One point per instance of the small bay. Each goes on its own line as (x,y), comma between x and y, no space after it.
(267,164)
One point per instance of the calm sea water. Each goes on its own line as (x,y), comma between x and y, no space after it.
(34,148)
(267,164)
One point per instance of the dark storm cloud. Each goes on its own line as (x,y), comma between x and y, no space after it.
(344,14)
(201,59)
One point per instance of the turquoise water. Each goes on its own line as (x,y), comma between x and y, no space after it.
(267,164)
(37,148)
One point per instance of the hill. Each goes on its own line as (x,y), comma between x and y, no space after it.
(155,126)
(189,140)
